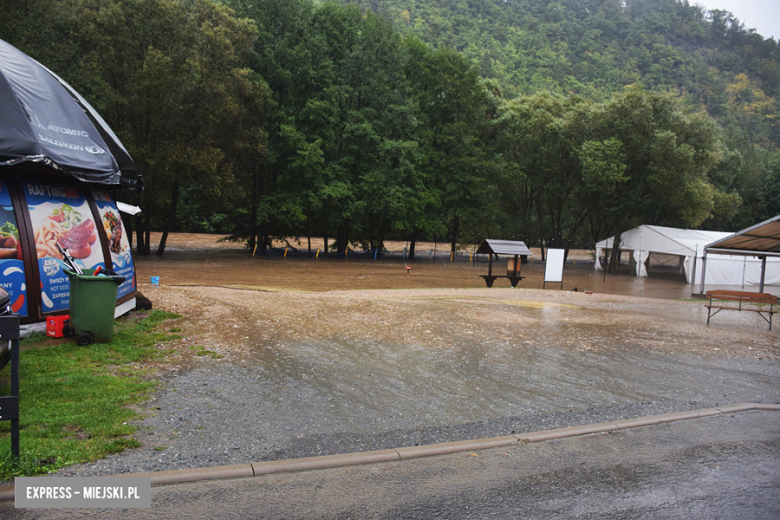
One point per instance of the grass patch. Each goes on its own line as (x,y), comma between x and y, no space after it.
(74,400)
(200,350)
(33,338)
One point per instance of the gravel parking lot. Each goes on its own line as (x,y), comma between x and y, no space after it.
(302,374)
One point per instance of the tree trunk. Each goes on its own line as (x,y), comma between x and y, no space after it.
(342,240)
(263,236)
(455,231)
(171,218)
(542,242)
(253,212)
(325,241)
(614,258)
(412,244)
(139,226)
(308,230)
(148,233)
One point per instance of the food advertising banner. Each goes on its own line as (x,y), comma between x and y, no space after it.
(117,241)
(11,264)
(61,214)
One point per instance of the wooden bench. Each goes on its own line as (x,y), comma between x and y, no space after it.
(751,298)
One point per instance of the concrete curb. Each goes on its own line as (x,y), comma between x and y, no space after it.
(324,462)
(354,459)
(413,452)
(176,476)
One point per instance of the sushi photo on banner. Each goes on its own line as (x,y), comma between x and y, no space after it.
(11,260)
(118,244)
(61,214)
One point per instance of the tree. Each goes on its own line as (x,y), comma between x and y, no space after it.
(452,102)
(648,160)
(541,182)
(165,75)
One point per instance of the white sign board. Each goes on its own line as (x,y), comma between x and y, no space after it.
(553,271)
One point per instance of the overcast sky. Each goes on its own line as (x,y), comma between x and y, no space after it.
(761,15)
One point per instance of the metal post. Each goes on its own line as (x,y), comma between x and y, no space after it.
(703,270)
(9,406)
(15,392)
(763,273)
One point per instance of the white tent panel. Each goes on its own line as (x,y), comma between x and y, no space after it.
(736,270)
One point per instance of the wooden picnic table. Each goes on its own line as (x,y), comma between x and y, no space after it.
(748,301)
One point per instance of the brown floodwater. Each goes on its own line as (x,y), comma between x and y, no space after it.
(188,262)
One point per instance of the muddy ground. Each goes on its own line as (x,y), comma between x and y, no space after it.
(307,357)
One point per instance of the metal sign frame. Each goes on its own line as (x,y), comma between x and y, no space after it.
(9,405)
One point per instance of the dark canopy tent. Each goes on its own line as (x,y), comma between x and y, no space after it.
(59,162)
(45,122)
(761,240)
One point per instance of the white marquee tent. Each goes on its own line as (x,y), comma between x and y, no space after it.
(690,244)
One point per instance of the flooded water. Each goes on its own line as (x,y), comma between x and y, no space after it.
(235,268)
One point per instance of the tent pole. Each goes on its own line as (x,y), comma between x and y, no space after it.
(763,273)
(703,270)
(693,268)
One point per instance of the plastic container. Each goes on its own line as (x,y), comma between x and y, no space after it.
(56,326)
(92,304)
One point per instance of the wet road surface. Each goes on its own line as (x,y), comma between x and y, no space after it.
(717,467)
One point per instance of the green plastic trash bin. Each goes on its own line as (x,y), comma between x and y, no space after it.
(92,304)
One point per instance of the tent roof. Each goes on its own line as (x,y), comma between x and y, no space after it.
(761,238)
(44,122)
(504,247)
(672,241)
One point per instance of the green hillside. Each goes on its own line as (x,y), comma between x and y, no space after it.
(594,48)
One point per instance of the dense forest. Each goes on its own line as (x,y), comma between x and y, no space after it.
(554,121)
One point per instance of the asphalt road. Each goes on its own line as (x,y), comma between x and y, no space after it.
(724,467)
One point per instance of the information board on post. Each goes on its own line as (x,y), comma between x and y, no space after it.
(61,214)
(553,270)
(118,245)
(11,260)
